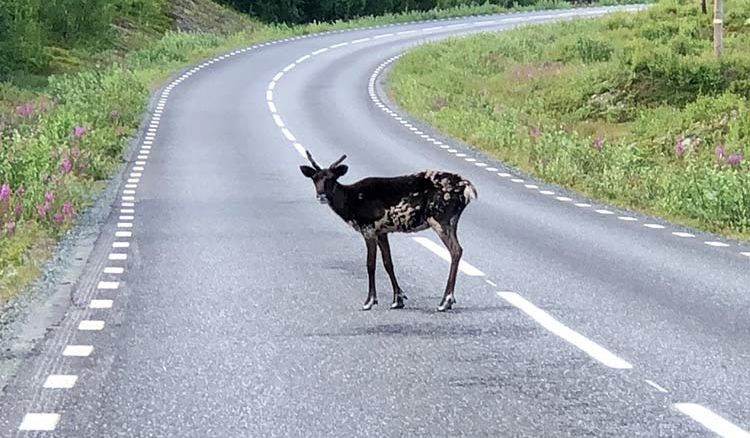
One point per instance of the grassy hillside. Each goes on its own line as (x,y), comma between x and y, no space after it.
(632,109)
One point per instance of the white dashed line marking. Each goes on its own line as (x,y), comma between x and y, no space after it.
(716,244)
(546,192)
(78,350)
(711,420)
(114,270)
(336,46)
(654,226)
(681,234)
(120,244)
(504,175)
(582,205)
(605,212)
(60,381)
(300,149)
(108,285)
(590,347)
(123,234)
(656,386)
(118,256)
(43,422)
(278,121)
(272,107)
(385,35)
(491,283)
(531,186)
(361,40)
(563,198)
(302,59)
(746,254)
(627,218)
(443,253)
(288,134)
(124,225)
(517,180)
(91,325)
(491,169)
(318,52)
(100,304)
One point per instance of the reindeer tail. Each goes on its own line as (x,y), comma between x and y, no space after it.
(470,192)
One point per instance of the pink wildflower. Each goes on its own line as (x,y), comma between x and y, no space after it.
(4,192)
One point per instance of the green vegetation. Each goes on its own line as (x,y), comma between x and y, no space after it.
(304,11)
(633,109)
(74,79)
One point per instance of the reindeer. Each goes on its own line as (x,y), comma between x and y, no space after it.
(377,206)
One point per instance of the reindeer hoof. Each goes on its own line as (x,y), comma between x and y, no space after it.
(447,304)
(368,304)
(398,304)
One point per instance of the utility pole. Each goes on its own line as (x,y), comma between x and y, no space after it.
(718,29)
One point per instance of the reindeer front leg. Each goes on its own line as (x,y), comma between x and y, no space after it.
(385,252)
(372,253)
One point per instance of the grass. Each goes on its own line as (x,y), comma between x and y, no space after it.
(632,109)
(63,129)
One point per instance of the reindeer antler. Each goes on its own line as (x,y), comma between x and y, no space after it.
(337,162)
(309,157)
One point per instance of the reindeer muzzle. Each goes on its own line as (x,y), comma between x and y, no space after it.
(322,198)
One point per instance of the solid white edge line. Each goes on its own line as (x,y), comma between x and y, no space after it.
(443,253)
(711,420)
(546,320)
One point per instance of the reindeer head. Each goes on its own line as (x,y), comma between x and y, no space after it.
(324,179)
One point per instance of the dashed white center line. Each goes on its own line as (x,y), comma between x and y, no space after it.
(302,59)
(336,46)
(272,107)
(288,134)
(582,205)
(746,254)
(590,347)
(289,67)
(407,32)
(443,253)
(711,420)
(603,212)
(517,180)
(531,186)
(118,256)
(385,35)
(60,381)
(563,198)
(114,270)
(120,244)
(278,121)
(100,304)
(123,234)
(318,52)
(278,76)
(547,192)
(43,422)
(627,218)
(361,40)
(78,350)
(430,29)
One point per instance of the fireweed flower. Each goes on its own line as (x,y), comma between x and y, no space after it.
(719,151)
(679,148)
(25,110)
(598,141)
(41,210)
(4,192)
(58,218)
(49,197)
(65,166)
(67,209)
(78,131)
(734,159)
(10,227)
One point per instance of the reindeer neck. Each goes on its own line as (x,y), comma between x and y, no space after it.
(338,197)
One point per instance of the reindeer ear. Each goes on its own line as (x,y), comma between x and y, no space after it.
(307,171)
(340,170)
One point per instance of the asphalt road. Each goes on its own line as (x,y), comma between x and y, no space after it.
(234,308)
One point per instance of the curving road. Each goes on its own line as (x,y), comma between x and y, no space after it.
(222,300)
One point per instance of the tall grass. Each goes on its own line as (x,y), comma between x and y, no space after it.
(630,108)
